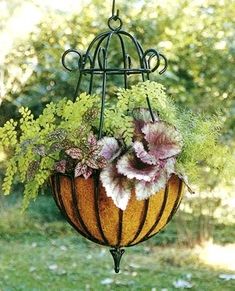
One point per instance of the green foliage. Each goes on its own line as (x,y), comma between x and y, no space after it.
(32,159)
(118,120)
(8,134)
(197,38)
(66,123)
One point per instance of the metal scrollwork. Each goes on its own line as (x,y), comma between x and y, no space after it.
(79,62)
(149,56)
(165,64)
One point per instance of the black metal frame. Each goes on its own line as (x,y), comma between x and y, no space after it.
(95,62)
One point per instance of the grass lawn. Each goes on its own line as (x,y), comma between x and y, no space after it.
(49,255)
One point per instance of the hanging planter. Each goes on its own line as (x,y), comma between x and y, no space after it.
(116,162)
(99,220)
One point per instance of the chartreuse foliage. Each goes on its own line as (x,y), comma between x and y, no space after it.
(37,147)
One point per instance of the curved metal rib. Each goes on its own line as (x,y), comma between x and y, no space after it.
(60,203)
(104,85)
(175,207)
(146,207)
(126,59)
(96,205)
(93,61)
(152,53)
(165,64)
(80,59)
(158,218)
(77,212)
(119,235)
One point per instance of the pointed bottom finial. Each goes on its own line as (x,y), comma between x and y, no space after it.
(117,255)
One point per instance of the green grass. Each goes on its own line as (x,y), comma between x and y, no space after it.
(67,263)
(40,251)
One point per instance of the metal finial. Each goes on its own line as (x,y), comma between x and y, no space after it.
(117,255)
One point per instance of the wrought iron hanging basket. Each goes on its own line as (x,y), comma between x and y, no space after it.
(95,216)
(84,202)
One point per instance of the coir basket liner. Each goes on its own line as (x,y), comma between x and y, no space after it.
(94,215)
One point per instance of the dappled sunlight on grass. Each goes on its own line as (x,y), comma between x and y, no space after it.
(217,256)
(69,263)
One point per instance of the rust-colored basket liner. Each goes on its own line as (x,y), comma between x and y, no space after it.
(95,216)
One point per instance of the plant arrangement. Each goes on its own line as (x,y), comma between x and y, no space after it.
(139,150)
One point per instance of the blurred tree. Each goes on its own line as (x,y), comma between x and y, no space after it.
(197,37)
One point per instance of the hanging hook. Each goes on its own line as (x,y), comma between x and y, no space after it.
(113,8)
(114,16)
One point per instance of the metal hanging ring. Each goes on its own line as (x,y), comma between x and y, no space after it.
(111,22)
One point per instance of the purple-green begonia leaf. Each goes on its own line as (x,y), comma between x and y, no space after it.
(143,155)
(60,166)
(74,153)
(138,125)
(142,116)
(110,148)
(116,186)
(164,141)
(132,167)
(145,189)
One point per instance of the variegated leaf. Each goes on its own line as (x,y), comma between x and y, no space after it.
(116,186)
(110,148)
(164,140)
(132,167)
(74,153)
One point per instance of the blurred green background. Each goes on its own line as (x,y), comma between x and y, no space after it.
(38,250)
